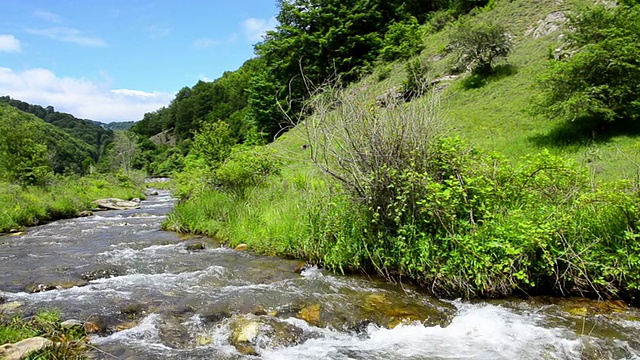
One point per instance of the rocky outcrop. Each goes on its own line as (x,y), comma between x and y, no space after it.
(548,25)
(116,204)
(22,349)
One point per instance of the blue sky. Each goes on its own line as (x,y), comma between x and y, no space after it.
(115,60)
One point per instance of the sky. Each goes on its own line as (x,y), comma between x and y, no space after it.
(114,60)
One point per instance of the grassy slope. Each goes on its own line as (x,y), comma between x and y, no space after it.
(495,116)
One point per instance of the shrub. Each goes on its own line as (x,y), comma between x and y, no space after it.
(246,168)
(417,80)
(402,40)
(479,44)
(601,79)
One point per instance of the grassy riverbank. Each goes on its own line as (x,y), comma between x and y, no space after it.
(64,197)
(479,198)
(67,342)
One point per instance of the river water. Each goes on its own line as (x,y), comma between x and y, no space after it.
(145,294)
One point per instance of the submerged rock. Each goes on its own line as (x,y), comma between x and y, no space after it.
(250,333)
(116,204)
(44,285)
(195,247)
(22,349)
(101,272)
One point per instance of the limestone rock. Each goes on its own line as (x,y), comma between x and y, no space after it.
(548,25)
(116,204)
(22,349)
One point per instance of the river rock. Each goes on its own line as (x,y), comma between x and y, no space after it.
(116,204)
(241,247)
(44,285)
(310,314)
(22,349)
(10,307)
(101,272)
(250,333)
(195,247)
(85,213)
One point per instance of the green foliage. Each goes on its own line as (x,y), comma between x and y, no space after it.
(23,158)
(212,144)
(479,44)
(247,168)
(69,343)
(402,40)
(86,131)
(123,151)
(64,197)
(601,79)
(417,79)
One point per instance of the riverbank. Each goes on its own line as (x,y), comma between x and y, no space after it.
(63,198)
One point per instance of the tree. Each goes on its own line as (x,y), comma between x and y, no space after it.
(601,77)
(23,158)
(479,44)
(123,151)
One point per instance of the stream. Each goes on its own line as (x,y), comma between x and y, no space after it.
(144,293)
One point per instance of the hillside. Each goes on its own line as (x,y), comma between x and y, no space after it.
(87,131)
(444,177)
(64,152)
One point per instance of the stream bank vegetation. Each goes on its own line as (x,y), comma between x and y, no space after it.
(65,341)
(407,190)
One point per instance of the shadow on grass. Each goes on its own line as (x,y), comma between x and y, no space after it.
(585,131)
(479,79)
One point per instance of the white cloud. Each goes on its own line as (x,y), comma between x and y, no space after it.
(82,98)
(206,43)
(48,16)
(9,43)
(254,29)
(66,34)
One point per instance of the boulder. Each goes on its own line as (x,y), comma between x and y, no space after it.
(250,333)
(116,204)
(22,349)
(10,307)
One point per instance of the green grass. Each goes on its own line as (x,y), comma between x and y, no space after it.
(64,198)
(586,234)
(69,343)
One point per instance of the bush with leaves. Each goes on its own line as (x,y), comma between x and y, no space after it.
(601,79)
(247,167)
(402,40)
(479,44)
(417,79)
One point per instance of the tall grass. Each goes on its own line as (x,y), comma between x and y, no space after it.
(65,197)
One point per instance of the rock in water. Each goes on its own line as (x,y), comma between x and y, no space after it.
(249,333)
(116,204)
(22,349)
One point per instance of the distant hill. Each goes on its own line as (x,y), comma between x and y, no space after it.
(66,153)
(124,125)
(88,131)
